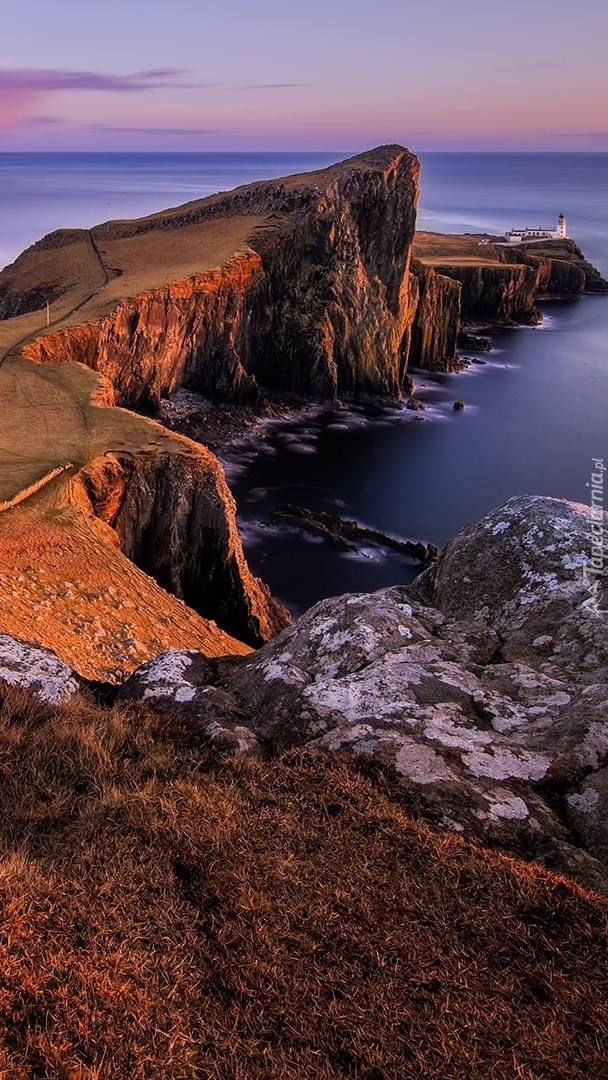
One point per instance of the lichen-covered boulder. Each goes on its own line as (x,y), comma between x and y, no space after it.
(180,683)
(530,569)
(481,690)
(482,702)
(23,663)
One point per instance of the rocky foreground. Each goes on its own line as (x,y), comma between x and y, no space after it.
(480,691)
(229,871)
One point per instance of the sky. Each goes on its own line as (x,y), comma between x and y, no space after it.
(321,75)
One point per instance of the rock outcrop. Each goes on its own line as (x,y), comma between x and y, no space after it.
(38,670)
(316,302)
(481,689)
(347,535)
(502,284)
(175,518)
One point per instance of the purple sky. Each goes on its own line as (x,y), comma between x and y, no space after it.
(338,75)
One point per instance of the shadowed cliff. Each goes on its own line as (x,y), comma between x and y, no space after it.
(499,284)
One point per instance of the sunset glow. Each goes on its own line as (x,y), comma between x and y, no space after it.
(468,76)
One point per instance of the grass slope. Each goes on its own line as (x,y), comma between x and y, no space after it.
(85,276)
(63,582)
(65,585)
(53,415)
(164,914)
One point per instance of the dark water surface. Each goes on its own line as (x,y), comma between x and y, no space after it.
(537,409)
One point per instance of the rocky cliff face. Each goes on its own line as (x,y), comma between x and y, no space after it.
(320,297)
(496,294)
(175,519)
(506,290)
(187,333)
(318,305)
(435,300)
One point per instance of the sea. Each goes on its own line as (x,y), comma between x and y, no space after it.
(536,406)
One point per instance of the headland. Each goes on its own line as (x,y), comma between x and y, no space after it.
(311,286)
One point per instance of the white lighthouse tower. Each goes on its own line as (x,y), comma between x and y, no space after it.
(562,231)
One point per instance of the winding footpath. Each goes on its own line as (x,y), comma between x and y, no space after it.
(105,277)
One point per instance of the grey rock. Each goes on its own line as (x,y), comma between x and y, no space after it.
(481,690)
(23,663)
(587,811)
(180,683)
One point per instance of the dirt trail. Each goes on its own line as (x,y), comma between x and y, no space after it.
(31,334)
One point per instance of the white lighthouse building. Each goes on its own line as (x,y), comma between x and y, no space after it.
(517,236)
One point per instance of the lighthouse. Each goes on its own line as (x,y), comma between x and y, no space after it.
(562,231)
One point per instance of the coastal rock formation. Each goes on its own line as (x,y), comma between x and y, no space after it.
(185,333)
(98,503)
(175,518)
(436,306)
(347,535)
(481,689)
(315,301)
(496,294)
(501,284)
(304,286)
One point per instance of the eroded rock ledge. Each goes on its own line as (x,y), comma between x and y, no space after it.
(314,301)
(302,286)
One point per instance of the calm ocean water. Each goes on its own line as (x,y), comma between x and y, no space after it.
(536,412)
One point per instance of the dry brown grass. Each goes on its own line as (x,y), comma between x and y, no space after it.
(167,915)
(64,585)
(453,249)
(65,275)
(151,259)
(51,415)
(85,282)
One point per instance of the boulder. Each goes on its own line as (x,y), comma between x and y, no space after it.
(23,663)
(480,691)
(180,683)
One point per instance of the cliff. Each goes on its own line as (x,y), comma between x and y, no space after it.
(436,313)
(310,296)
(96,504)
(500,284)
(175,518)
(303,285)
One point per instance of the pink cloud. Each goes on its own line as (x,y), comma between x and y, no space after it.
(26,82)
(20,88)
